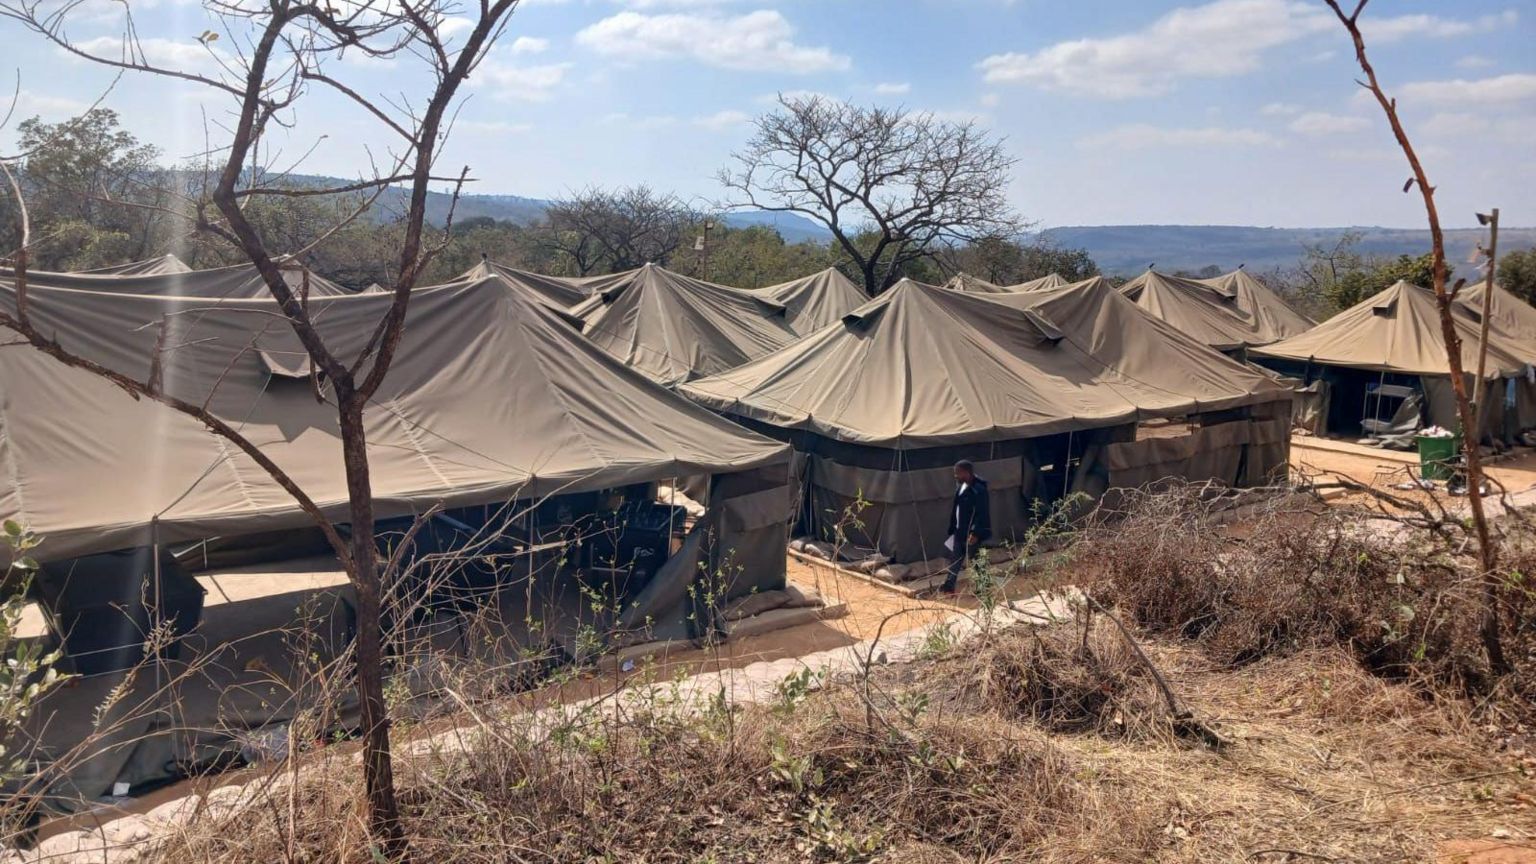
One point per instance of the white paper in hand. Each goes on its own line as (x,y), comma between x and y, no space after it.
(950,543)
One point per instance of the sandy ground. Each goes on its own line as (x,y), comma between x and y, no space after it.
(1516,471)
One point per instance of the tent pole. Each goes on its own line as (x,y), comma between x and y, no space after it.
(1066,468)
(1480,386)
(157,595)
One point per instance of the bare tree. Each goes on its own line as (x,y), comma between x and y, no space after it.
(1444,298)
(282,51)
(892,186)
(604,230)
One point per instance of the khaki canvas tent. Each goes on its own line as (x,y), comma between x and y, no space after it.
(815,301)
(491,399)
(1207,312)
(238,282)
(148,267)
(976,285)
(1273,318)
(559,292)
(674,328)
(1042,390)
(973,284)
(1508,313)
(1049,280)
(1392,343)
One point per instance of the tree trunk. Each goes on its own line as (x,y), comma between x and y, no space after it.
(1487,551)
(378,770)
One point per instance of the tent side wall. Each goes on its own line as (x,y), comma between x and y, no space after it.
(897,502)
(1508,411)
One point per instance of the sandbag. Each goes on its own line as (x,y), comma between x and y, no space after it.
(755,604)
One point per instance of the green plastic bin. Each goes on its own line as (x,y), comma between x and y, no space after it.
(1436,456)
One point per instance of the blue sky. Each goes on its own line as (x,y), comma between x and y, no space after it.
(1119,111)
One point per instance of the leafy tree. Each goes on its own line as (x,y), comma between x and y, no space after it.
(750,257)
(1339,276)
(1043,259)
(893,187)
(83,178)
(1517,273)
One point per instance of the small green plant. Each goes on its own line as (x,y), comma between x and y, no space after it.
(937,641)
(830,838)
(28,672)
(796,770)
(795,687)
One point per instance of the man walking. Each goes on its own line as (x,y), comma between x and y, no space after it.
(970,521)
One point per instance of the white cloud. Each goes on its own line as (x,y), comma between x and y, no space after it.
(453,26)
(890,88)
(1474,61)
(1143,136)
(1500,89)
(529,45)
(187,55)
(29,104)
(1453,123)
(761,40)
(1280,109)
(1220,39)
(1319,123)
(722,120)
(989,100)
(521,83)
(1217,40)
(1403,26)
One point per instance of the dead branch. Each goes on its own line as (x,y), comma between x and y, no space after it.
(1487,549)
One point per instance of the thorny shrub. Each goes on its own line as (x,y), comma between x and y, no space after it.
(1403,600)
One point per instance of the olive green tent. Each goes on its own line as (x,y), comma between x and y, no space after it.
(148,267)
(1395,339)
(1043,390)
(560,292)
(976,285)
(491,398)
(1273,318)
(238,282)
(674,328)
(1218,312)
(815,301)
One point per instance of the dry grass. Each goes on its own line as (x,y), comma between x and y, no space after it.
(1337,664)
(1021,749)
(1404,601)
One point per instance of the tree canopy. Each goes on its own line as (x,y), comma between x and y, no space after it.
(893,187)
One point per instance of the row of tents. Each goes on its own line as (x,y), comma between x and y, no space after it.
(1044,383)
(806,407)
(817,357)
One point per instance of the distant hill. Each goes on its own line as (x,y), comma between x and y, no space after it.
(1126,250)
(1122,250)
(520,210)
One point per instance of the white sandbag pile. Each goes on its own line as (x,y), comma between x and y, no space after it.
(669,495)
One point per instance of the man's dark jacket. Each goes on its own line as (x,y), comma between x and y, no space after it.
(972,512)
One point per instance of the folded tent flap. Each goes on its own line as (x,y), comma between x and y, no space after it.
(1049,332)
(286,363)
